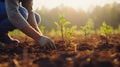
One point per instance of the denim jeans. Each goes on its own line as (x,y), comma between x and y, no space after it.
(5,24)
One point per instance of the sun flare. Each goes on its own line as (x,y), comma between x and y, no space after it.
(76,4)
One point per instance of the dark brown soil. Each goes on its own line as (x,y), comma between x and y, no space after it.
(92,52)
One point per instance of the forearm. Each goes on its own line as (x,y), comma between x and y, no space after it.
(31,32)
(32,21)
(31,18)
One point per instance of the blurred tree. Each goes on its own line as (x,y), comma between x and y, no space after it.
(110,13)
(115,15)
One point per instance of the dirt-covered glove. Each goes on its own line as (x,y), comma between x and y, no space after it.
(46,43)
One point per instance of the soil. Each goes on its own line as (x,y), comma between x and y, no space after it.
(92,52)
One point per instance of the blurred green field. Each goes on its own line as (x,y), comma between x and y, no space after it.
(16,33)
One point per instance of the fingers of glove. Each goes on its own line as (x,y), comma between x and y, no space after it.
(52,45)
(47,46)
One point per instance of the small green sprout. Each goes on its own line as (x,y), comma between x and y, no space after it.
(61,26)
(88,28)
(105,30)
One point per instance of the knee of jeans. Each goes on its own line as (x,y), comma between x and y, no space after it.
(38,18)
(23,12)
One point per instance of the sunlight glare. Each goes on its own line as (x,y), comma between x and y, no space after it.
(76,4)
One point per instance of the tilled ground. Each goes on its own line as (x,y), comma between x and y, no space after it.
(92,52)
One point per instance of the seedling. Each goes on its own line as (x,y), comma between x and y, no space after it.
(69,33)
(61,26)
(88,28)
(117,30)
(42,28)
(105,30)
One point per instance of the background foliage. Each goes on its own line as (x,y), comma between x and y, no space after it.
(109,13)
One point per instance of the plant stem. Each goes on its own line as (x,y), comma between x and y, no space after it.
(62,32)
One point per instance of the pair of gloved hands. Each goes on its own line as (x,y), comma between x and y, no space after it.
(46,42)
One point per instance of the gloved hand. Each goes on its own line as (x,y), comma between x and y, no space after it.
(46,43)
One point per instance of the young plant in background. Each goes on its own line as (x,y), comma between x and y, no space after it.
(105,30)
(117,31)
(61,26)
(16,33)
(69,33)
(53,33)
(42,28)
(88,28)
